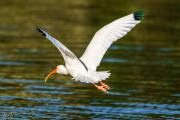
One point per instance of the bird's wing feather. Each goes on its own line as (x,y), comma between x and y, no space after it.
(63,49)
(103,38)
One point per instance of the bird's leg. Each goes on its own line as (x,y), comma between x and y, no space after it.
(101,88)
(104,85)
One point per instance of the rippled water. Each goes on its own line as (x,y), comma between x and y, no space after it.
(145,64)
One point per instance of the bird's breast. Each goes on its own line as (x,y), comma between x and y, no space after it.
(76,65)
(74,69)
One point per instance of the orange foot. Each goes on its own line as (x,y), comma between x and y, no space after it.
(102,88)
(105,86)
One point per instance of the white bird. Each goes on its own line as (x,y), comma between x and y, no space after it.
(83,69)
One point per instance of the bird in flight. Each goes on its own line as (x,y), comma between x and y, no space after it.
(83,69)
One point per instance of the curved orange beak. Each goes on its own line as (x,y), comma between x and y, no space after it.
(51,73)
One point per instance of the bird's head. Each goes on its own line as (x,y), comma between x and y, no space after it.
(60,69)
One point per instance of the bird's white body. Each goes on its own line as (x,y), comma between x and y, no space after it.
(79,73)
(83,69)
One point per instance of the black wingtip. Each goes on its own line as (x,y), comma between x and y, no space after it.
(41,31)
(139,15)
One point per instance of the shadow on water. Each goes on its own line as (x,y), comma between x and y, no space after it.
(144,64)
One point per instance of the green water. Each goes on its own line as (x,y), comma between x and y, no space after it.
(145,64)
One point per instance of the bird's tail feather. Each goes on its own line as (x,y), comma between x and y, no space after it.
(103,75)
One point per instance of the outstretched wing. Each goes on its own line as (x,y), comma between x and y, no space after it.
(63,49)
(103,38)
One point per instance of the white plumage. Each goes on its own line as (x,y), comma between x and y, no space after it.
(84,68)
(103,39)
